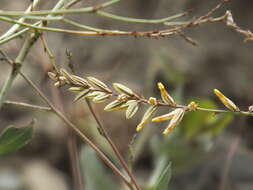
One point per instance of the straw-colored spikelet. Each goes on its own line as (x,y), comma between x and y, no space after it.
(123,89)
(176,119)
(76,80)
(52,75)
(226,101)
(133,107)
(98,83)
(146,117)
(115,105)
(165,95)
(75,89)
(81,95)
(101,97)
(165,117)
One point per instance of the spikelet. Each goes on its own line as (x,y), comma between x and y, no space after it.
(226,101)
(115,105)
(98,83)
(93,94)
(178,116)
(73,79)
(75,89)
(101,97)
(147,115)
(165,95)
(133,107)
(52,75)
(81,95)
(123,89)
(165,117)
(57,84)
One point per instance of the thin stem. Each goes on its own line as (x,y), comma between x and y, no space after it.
(77,131)
(56,18)
(59,12)
(136,20)
(91,33)
(26,105)
(49,52)
(73,23)
(113,146)
(247,113)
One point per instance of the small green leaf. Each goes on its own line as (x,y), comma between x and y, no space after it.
(13,138)
(164,179)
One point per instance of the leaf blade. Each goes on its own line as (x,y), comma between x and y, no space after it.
(164,179)
(12,138)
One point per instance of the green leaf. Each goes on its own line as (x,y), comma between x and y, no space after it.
(13,138)
(164,179)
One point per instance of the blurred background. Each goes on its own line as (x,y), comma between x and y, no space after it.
(206,151)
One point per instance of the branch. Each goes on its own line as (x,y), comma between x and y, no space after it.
(26,105)
(90,9)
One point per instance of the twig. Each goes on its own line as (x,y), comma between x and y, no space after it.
(230,23)
(143,21)
(26,105)
(48,52)
(90,9)
(159,33)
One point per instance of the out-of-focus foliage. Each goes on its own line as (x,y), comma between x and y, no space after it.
(13,138)
(96,176)
(199,123)
(161,175)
